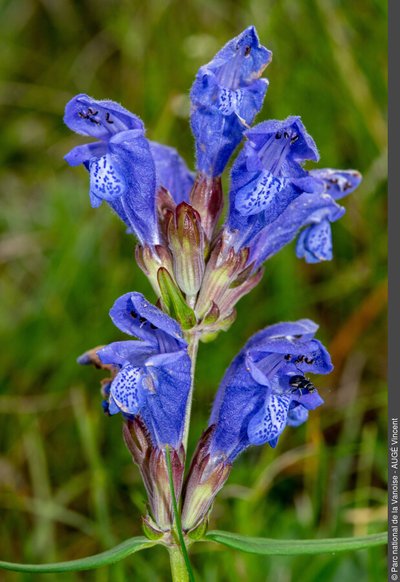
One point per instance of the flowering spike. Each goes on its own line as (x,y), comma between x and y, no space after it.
(200,270)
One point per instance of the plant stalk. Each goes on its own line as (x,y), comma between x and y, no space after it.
(178,525)
(193,345)
(179,571)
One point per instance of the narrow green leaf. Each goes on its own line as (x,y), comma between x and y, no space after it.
(174,301)
(116,554)
(273,547)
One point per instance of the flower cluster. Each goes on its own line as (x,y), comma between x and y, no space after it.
(199,270)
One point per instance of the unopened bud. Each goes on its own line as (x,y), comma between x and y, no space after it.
(222,270)
(207,198)
(206,477)
(186,242)
(152,259)
(152,464)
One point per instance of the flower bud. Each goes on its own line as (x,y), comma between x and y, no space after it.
(150,260)
(166,206)
(206,477)
(223,268)
(207,198)
(153,468)
(186,242)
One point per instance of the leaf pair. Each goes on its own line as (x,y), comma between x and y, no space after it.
(262,546)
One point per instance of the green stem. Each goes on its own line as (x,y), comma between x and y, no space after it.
(192,350)
(179,571)
(178,526)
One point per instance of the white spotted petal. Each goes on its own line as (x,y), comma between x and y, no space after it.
(268,424)
(107,181)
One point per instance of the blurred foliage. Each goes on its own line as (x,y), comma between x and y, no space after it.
(67,486)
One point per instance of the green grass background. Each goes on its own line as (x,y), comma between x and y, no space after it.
(67,486)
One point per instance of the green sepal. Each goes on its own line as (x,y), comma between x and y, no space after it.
(199,532)
(150,530)
(207,338)
(174,301)
(212,314)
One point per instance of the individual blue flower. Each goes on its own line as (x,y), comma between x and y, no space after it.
(315,213)
(226,96)
(122,170)
(266,388)
(154,372)
(315,242)
(268,175)
(172,172)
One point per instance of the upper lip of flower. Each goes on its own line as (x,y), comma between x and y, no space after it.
(134,315)
(241,61)
(271,142)
(99,118)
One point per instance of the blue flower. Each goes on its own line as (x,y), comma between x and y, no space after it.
(154,373)
(121,166)
(266,388)
(315,242)
(315,212)
(172,172)
(226,96)
(268,175)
